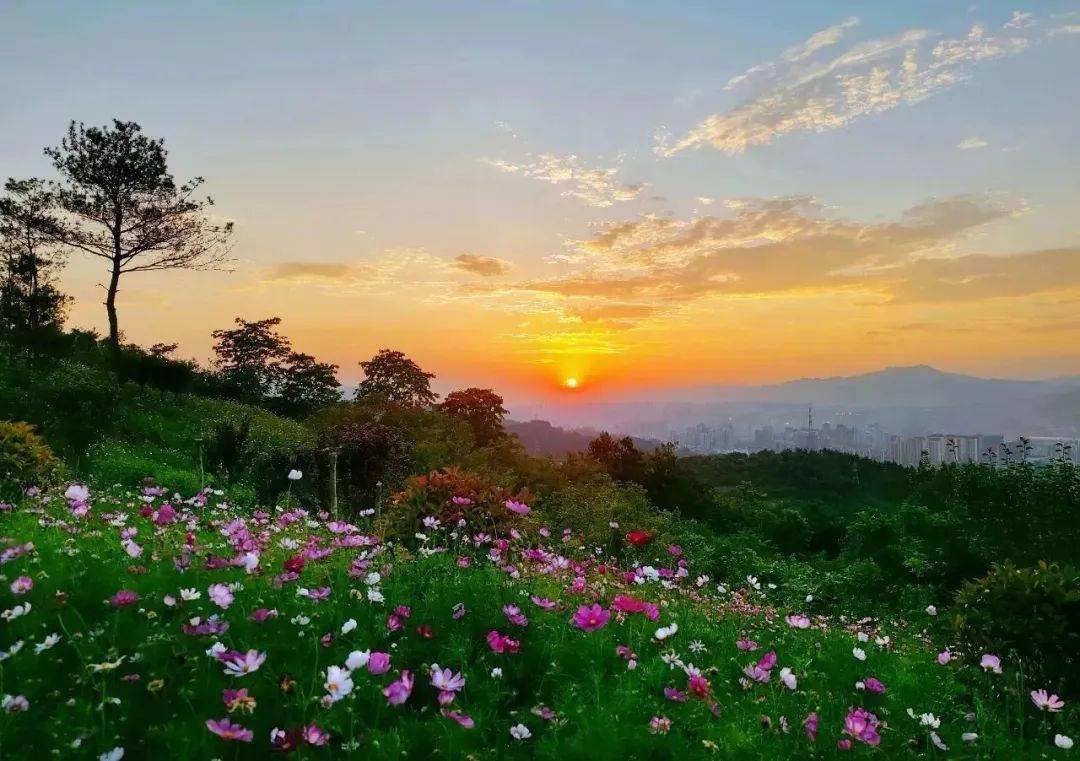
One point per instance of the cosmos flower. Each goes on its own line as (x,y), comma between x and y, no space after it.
(239,664)
(338,683)
(226,730)
(1046,702)
(398,691)
(990,663)
(591,618)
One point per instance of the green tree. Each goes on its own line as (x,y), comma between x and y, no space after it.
(121,204)
(30,302)
(392,376)
(481,408)
(258,363)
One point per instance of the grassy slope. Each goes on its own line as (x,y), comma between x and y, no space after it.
(604,707)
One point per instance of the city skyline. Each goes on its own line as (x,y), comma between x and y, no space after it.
(637,198)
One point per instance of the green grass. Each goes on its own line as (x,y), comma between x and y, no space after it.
(156,702)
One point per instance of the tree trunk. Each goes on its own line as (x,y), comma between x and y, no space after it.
(110,305)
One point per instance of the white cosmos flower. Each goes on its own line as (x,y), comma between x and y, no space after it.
(188,595)
(664,632)
(348,626)
(46,644)
(1063,742)
(859,653)
(520,732)
(357,659)
(338,683)
(115,754)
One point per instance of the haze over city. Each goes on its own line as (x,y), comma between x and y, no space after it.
(581,204)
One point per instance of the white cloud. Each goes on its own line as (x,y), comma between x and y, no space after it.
(815,42)
(595,186)
(814,94)
(1020,20)
(972,143)
(1066,29)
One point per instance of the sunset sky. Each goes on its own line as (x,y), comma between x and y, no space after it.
(634,195)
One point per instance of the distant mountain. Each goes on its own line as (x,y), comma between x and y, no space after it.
(905,400)
(914,386)
(542,438)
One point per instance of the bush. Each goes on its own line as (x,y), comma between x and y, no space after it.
(450,495)
(1027,613)
(25,458)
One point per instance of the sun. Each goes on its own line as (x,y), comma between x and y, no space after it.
(571,382)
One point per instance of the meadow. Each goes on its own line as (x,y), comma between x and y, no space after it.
(141,623)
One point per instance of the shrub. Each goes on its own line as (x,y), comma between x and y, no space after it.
(478,501)
(1028,613)
(25,458)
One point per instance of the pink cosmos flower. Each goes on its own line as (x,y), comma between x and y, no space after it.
(1046,702)
(500,643)
(798,621)
(446,682)
(239,664)
(518,508)
(874,685)
(862,725)
(123,598)
(515,616)
(263,614)
(746,644)
(460,718)
(22,585)
(378,663)
(991,663)
(398,691)
(461,501)
(221,595)
(226,730)
(238,700)
(944,657)
(811,723)
(698,686)
(591,618)
(674,695)
(313,734)
(659,725)
(542,602)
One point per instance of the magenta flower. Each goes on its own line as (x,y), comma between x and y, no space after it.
(590,618)
(500,643)
(944,657)
(313,734)
(518,508)
(460,718)
(874,685)
(123,598)
(1046,702)
(398,691)
(659,725)
(674,695)
(543,602)
(746,644)
(862,725)
(515,616)
(378,663)
(811,723)
(226,730)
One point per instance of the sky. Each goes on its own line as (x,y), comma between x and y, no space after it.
(635,196)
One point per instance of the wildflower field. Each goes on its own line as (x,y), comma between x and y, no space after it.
(146,623)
